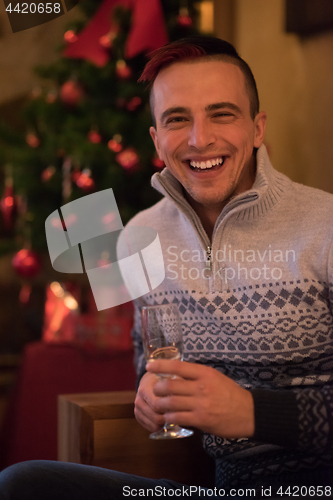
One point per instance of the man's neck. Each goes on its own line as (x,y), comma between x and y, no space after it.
(207,215)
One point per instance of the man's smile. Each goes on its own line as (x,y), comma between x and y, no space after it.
(206,164)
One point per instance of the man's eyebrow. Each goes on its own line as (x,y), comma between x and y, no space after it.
(223,105)
(172,110)
(210,107)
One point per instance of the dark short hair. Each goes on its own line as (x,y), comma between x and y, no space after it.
(199,47)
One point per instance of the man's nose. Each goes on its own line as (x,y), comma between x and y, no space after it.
(201,135)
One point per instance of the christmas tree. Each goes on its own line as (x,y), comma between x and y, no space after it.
(86,127)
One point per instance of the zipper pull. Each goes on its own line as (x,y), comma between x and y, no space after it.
(208,266)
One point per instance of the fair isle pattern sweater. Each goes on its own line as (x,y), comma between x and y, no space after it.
(256,304)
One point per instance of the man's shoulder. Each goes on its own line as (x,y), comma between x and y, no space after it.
(311,197)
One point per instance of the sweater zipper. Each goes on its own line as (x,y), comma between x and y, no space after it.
(209,263)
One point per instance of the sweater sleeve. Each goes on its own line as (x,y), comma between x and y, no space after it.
(301,419)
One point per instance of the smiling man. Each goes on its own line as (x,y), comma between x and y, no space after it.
(249,261)
(256,377)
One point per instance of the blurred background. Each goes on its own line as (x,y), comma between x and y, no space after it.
(74,121)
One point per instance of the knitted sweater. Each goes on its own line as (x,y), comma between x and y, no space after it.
(256,304)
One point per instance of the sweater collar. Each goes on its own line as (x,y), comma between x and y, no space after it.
(268,188)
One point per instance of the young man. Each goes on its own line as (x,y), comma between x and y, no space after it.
(248,258)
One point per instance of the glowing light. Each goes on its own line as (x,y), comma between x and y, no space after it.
(57,289)
(70,302)
(206,16)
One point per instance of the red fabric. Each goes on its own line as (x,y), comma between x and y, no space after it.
(147,33)
(30,427)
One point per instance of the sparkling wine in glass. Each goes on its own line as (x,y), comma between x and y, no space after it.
(163,339)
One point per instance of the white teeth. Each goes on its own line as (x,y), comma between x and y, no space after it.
(203,165)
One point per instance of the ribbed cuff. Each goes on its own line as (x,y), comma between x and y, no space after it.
(276,417)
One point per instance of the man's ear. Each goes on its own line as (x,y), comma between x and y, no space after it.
(260,128)
(153,134)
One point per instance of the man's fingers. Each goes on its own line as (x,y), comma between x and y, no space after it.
(182,369)
(146,416)
(177,387)
(147,423)
(177,404)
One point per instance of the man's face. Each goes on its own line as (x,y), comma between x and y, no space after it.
(204,132)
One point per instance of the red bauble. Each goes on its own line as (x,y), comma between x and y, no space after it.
(94,137)
(107,40)
(26,263)
(85,182)
(128,158)
(8,206)
(123,71)
(134,103)
(184,19)
(115,143)
(48,173)
(71,93)
(70,36)
(32,140)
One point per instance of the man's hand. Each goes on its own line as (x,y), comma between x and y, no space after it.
(145,404)
(202,397)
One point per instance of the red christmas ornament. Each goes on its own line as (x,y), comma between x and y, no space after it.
(94,137)
(107,40)
(71,93)
(134,103)
(128,158)
(184,19)
(48,173)
(70,36)
(157,162)
(115,143)
(8,204)
(85,182)
(26,263)
(32,140)
(123,71)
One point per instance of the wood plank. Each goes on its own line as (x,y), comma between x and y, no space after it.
(100,429)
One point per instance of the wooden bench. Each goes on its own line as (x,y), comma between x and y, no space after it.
(100,429)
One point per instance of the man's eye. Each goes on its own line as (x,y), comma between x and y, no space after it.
(176,119)
(222,115)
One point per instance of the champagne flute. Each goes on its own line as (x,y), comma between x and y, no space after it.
(163,339)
